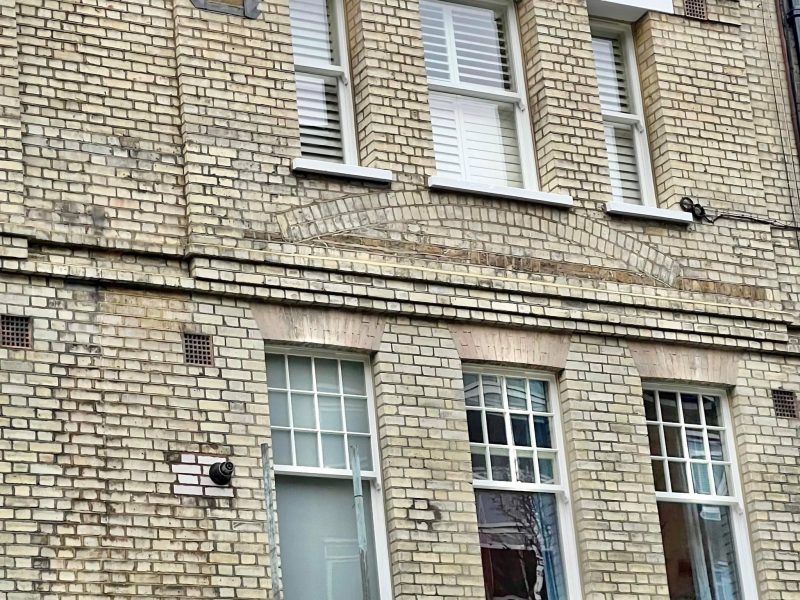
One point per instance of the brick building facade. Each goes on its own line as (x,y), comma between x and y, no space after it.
(214,235)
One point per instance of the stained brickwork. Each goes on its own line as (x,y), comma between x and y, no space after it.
(146,190)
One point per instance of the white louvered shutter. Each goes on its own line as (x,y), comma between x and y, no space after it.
(318,97)
(312,37)
(621,139)
(474,139)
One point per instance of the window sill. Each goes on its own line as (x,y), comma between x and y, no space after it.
(322,167)
(624,209)
(498,191)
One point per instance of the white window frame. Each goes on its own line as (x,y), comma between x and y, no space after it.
(373,476)
(735,502)
(518,98)
(561,490)
(635,118)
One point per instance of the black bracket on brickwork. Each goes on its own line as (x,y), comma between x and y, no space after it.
(241,8)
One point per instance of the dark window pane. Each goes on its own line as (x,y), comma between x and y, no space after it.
(474,426)
(721,479)
(479,464)
(677,477)
(538,390)
(520,546)
(526,473)
(496,428)
(658,476)
(711,408)
(541,427)
(691,408)
(695,443)
(650,405)
(700,551)
(673,441)
(655,440)
(715,445)
(669,406)
(501,465)
(521,429)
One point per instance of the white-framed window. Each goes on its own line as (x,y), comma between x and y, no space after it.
(321,405)
(519,475)
(481,130)
(623,115)
(700,506)
(324,100)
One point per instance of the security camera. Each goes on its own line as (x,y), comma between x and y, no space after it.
(221,472)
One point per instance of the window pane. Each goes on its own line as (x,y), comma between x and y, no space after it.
(654,437)
(305,448)
(695,443)
(711,410)
(677,477)
(700,480)
(500,463)
(538,391)
(492,393)
(330,413)
(650,405)
(520,545)
(721,480)
(319,116)
(353,379)
(700,551)
(515,389)
(312,37)
(303,412)
(282,447)
(525,468)
(480,46)
(479,470)
(541,426)
(276,371)
(278,408)
(659,478)
(669,406)
(691,408)
(357,415)
(475,426)
(475,140)
(472,391)
(611,79)
(333,451)
(327,372)
(547,468)
(300,373)
(522,431)
(319,541)
(496,428)
(363,448)
(715,445)
(622,163)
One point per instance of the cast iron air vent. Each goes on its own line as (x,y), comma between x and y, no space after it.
(197,349)
(15,332)
(784,403)
(696,9)
(240,8)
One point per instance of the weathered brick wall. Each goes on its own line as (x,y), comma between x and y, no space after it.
(146,189)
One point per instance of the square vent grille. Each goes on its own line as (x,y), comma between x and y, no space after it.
(696,9)
(15,332)
(784,403)
(197,349)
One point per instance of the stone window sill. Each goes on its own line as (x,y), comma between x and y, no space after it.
(497,191)
(637,211)
(323,167)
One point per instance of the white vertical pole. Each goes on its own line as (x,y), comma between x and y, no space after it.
(361,524)
(272,537)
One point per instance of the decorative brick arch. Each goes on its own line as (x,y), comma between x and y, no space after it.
(350,213)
